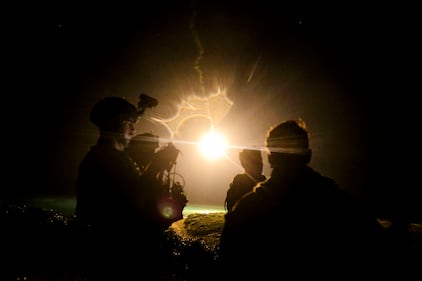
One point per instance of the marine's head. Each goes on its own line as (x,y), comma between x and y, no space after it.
(288,142)
(109,113)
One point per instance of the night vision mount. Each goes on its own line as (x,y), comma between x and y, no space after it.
(145,102)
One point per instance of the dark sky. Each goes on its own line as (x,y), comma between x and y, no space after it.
(331,66)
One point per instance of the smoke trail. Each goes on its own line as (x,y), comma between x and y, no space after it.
(211,107)
(198,44)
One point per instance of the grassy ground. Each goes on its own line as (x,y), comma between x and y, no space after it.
(37,245)
(40,241)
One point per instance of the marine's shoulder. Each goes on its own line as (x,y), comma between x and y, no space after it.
(254,198)
(239,177)
(325,182)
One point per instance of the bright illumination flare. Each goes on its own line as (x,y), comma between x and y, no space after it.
(213,145)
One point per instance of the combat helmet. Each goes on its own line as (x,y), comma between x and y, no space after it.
(108,113)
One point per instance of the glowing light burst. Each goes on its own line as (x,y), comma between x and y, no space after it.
(213,145)
(213,108)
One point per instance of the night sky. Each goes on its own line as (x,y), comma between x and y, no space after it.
(332,66)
